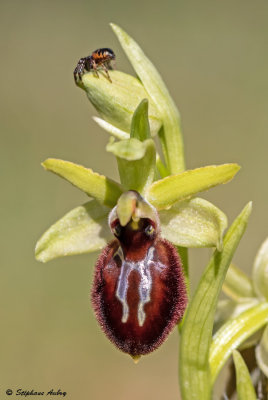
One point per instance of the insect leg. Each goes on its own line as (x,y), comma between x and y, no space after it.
(79,69)
(94,66)
(106,70)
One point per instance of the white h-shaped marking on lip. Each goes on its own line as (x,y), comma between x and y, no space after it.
(145,286)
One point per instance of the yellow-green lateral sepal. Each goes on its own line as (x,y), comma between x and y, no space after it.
(193,223)
(195,380)
(261,353)
(237,284)
(167,191)
(260,272)
(117,101)
(244,386)
(171,136)
(233,333)
(82,230)
(103,189)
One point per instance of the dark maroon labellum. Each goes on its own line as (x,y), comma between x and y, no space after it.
(139,291)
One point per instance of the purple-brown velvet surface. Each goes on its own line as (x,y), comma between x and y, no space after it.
(167,301)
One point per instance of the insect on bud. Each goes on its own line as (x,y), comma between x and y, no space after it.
(138,291)
(114,101)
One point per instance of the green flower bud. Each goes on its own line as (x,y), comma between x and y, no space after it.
(117,101)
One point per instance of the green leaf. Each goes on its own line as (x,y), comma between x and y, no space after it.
(261,353)
(117,101)
(260,272)
(233,333)
(140,128)
(245,389)
(237,284)
(103,189)
(137,174)
(196,335)
(117,133)
(154,85)
(167,191)
(82,230)
(193,223)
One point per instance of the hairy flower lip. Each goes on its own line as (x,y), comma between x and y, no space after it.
(128,336)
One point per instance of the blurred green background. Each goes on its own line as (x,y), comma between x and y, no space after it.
(213,57)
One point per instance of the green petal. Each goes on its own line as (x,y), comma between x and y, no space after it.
(260,272)
(237,284)
(103,189)
(262,353)
(117,101)
(233,333)
(83,230)
(244,386)
(193,223)
(171,136)
(115,132)
(169,190)
(138,173)
(128,149)
(198,324)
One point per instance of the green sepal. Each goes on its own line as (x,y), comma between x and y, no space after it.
(244,386)
(195,380)
(140,128)
(261,353)
(116,102)
(233,333)
(167,191)
(136,173)
(260,272)
(121,135)
(101,188)
(83,230)
(154,85)
(237,284)
(193,223)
